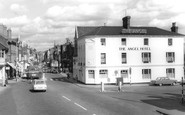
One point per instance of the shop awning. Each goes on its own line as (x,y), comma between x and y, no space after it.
(12,65)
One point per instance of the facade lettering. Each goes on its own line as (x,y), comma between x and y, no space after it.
(134,48)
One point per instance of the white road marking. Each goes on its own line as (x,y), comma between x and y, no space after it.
(66,98)
(80,106)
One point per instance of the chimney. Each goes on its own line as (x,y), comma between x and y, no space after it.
(126,22)
(174,28)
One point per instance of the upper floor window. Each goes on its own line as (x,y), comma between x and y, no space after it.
(1,54)
(146,73)
(146,57)
(146,41)
(103,41)
(123,41)
(124,58)
(170,57)
(170,42)
(103,58)
(170,72)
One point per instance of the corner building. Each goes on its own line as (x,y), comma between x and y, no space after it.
(137,54)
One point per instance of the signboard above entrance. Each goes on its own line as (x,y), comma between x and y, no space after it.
(134,31)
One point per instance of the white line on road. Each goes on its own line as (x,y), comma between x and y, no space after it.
(66,98)
(80,106)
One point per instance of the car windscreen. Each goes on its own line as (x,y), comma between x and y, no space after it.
(39,82)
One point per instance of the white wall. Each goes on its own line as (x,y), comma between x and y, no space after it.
(89,50)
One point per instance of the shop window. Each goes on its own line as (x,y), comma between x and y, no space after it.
(103,58)
(91,73)
(146,57)
(170,57)
(124,58)
(170,72)
(146,73)
(103,73)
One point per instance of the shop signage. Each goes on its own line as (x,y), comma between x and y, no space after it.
(134,48)
(134,31)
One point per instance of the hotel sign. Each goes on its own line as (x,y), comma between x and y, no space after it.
(134,31)
(134,48)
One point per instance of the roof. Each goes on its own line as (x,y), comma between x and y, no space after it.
(3,43)
(117,30)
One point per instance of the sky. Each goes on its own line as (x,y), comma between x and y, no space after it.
(43,23)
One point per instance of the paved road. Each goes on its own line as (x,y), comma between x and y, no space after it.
(64,98)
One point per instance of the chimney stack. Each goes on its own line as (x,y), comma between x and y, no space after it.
(174,28)
(126,22)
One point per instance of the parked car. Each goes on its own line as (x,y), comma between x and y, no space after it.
(39,85)
(163,81)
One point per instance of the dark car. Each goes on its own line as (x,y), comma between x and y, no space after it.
(34,75)
(163,81)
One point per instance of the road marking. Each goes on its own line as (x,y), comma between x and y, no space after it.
(66,98)
(80,106)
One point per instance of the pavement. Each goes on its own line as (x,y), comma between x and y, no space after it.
(11,81)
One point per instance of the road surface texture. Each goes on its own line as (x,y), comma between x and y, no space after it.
(66,98)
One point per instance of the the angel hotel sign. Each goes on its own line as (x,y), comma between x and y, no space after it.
(134,31)
(134,48)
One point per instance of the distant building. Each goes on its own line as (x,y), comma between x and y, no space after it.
(136,54)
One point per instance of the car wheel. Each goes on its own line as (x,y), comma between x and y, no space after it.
(173,83)
(160,84)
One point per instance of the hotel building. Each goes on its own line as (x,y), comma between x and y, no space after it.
(136,54)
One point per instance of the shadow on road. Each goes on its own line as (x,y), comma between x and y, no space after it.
(33,91)
(170,102)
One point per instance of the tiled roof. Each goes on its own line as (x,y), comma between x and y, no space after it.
(3,43)
(117,30)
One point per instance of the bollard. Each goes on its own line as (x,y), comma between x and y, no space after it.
(119,86)
(102,87)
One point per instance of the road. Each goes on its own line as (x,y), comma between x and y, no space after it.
(65,98)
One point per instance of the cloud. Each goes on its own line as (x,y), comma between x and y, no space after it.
(18,9)
(15,21)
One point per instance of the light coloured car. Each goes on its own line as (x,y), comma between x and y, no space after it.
(39,85)
(163,81)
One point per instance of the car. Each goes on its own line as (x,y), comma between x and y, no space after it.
(39,85)
(163,81)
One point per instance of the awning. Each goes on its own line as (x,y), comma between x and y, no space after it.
(12,65)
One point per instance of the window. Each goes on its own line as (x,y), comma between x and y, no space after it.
(91,73)
(170,42)
(123,41)
(170,72)
(1,54)
(146,73)
(103,41)
(103,58)
(124,58)
(146,57)
(103,73)
(124,73)
(146,42)
(170,57)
